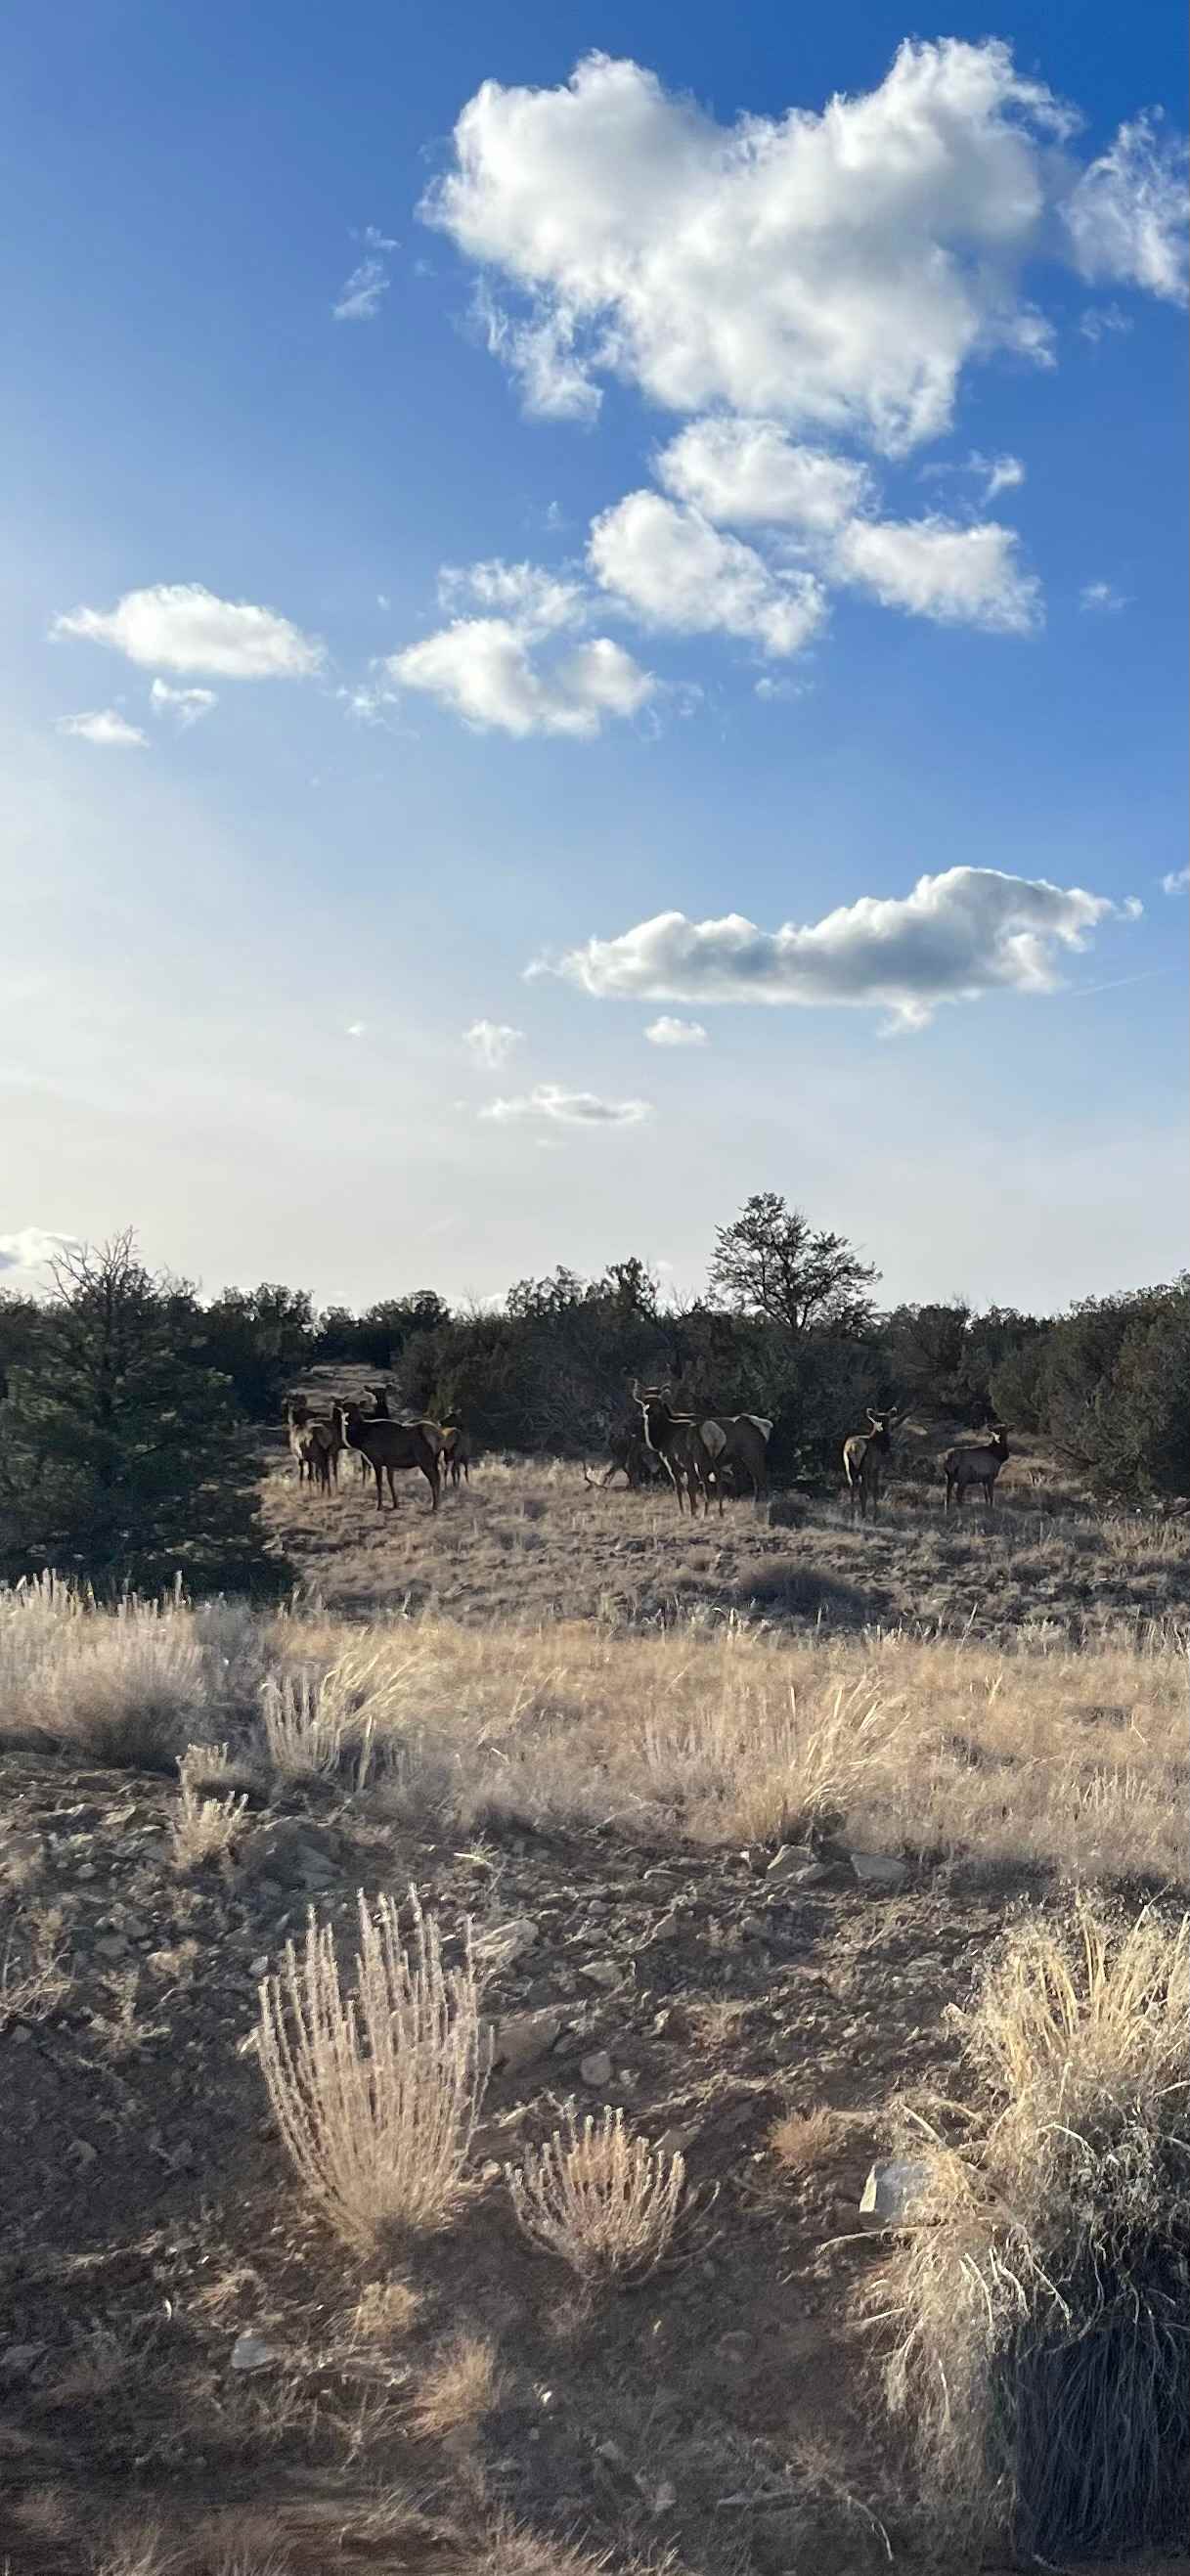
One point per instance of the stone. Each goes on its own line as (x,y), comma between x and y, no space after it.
(880,1869)
(674,2142)
(790,1863)
(82,2154)
(596,2069)
(664,2497)
(504,1943)
(604,1973)
(523,2038)
(892,2187)
(112,1946)
(259,1968)
(751,1928)
(20,2358)
(251,2352)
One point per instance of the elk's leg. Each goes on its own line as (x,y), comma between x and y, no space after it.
(379,1475)
(432,1479)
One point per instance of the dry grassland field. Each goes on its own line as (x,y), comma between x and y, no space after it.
(786,1847)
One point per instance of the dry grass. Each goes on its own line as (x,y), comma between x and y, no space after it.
(384,2311)
(1041,2355)
(34,1975)
(1030,1751)
(801,2141)
(376,2092)
(457,2388)
(202,1827)
(605,2201)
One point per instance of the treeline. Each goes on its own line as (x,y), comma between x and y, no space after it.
(126,1401)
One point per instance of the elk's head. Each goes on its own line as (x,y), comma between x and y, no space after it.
(882,1424)
(998,1439)
(655,1412)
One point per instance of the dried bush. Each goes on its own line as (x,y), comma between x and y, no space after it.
(1042,2355)
(34,1974)
(202,1827)
(376,2092)
(124,1686)
(604,2200)
(459,2385)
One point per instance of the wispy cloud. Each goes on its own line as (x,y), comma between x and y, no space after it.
(361,295)
(1176,882)
(33,1247)
(967,932)
(549,1101)
(181,626)
(186,706)
(106,728)
(491,1042)
(1101,598)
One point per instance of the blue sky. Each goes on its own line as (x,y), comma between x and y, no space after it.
(688,538)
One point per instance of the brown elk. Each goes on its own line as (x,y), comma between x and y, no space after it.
(976,1466)
(864,1455)
(302,1445)
(630,1457)
(739,1441)
(390,1446)
(676,1438)
(456,1452)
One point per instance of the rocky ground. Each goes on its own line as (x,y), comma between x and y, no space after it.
(173,2323)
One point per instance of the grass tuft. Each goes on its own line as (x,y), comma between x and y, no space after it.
(605,2201)
(1042,2357)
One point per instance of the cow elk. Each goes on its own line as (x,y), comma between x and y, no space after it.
(391,1446)
(456,1453)
(976,1466)
(864,1456)
(738,1441)
(676,1438)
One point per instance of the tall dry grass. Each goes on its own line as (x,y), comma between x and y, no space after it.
(376,2091)
(1041,2296)
(958,1750)
(599,2197)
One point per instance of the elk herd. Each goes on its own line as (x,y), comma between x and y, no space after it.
(696,1454)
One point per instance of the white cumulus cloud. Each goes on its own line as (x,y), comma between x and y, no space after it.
(33,1247)
(484,669)
(936,568)
(1126,217)
(105,727)
(186,706)
(492,1042)
(750,473)
(561,1108)
(835,268)
(957,935)
(1176,882)
(667,1032)
(181,626)
(539,601)
(673,569)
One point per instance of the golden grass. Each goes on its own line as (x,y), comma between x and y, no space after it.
(458,2386)
(1039,2299)
(801,2141)
(375,2092)
(1030,1750)
(202,1827)
(602,2199)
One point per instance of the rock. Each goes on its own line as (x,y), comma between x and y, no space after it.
(82,2154)
(674,2142)
(808,1873)
(112,1946)
(523,2038)
(19,2359)
(504,1943)
(596,2069)
(258,1968)
(664,2497)
(284,1855)
(604,1973)
(251,2352)
(752,1928)
(879,1869)
(892,2187)
(790,1862)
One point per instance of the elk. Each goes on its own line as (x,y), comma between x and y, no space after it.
(301,1437)
(631,1458)
(739,1441)
(864,1455)
(978,1466)
(676,1438)
(390,1446)
(456,1452)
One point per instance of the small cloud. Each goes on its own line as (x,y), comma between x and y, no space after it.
(33,1247)
(182,626)
(105,727)
(359,298)
(383,600)
(373,239)
(1176,882)
(771,690)
(1103,321)
(667,1032)
(491,1043)
(1100,598)
(355,1029)
(186,706)
(568,1108)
